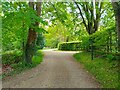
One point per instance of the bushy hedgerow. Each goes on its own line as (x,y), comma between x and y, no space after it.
(69,46)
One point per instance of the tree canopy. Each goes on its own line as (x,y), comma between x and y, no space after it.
(27,26)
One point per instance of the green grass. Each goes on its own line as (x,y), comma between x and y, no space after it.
(22,66)
(105,71)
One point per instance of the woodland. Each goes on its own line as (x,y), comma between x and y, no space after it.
(29,27)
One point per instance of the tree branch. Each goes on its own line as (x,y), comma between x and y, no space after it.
(81,14)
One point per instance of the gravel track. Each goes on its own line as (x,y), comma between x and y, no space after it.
(58,70)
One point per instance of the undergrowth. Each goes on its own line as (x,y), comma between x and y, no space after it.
(105,71)
(21,66)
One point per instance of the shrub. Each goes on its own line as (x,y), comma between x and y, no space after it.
(110,57)
(85,43)
(12,67)
(40,41)
(37,58)
(52,43)
(69,46)
(11,57)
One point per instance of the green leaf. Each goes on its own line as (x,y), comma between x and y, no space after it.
(41,30)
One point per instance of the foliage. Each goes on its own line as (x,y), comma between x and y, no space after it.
(106,44)
(69,46)
(11,57)
(116,8)
(85,42)
(52,43)
(40,41)
(14,32)
(18,19)
(15,24)
(52,8)
(66,24)
(21,65)
(37,58)
(105,72)
(63,22)
(73,29)
(109,55)
(90,13)
(57,32)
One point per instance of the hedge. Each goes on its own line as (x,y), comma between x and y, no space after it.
(69,46)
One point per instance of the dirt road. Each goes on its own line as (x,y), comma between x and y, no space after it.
(58,70)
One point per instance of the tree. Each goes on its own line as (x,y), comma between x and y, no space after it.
(32,35)
(91,16)
(66,15)
(21,26)
(116,7)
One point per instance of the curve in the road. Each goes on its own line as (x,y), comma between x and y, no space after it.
(58,70)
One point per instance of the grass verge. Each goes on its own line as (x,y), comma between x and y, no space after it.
(105,71)
(21,66)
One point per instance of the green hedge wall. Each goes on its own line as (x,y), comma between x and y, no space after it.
(69,46)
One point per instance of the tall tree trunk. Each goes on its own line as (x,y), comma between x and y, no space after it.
(38,9)
(32,35)
(118,29)
(116,7)
(30,46)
